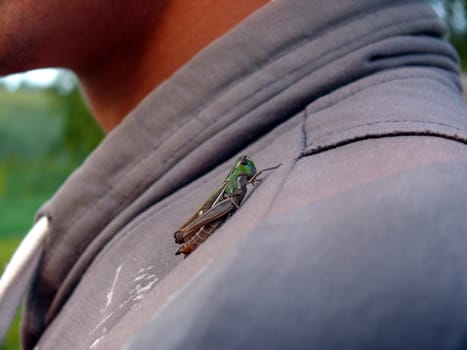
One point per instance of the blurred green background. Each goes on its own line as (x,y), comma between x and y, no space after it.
(46,132)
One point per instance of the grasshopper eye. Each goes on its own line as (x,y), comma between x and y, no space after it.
(244,161)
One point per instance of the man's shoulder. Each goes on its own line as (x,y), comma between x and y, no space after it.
(381,264)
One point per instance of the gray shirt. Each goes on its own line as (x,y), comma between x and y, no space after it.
(356,241)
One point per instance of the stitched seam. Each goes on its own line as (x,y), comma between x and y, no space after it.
(304,133)
(291,168)
(416,122)
(344,142)
(316,148)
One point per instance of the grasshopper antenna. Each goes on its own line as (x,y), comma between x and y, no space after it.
(255,177)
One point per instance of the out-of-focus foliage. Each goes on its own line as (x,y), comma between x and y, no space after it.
(7,247)
(455,14)
(44,135)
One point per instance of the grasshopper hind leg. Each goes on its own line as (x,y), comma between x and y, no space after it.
(202,235)
(192,244)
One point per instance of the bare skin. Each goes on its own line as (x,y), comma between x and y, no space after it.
(119,50)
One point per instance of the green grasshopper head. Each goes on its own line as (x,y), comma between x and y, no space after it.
(243,166)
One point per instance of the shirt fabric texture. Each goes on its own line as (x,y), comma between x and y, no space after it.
(357,241)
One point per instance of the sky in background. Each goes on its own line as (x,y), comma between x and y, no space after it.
(41,78)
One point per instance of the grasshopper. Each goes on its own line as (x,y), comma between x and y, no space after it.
(220,205)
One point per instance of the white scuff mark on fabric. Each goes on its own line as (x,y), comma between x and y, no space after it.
(140,290)
(109,295)
(100,329)
(143,273)
(137,278)
(146,277)
(96,342)
(144,282)
(102,333)
(109,315)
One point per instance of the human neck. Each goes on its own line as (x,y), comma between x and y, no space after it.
(116,85)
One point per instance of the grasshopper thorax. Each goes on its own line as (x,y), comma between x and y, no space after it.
(245,168)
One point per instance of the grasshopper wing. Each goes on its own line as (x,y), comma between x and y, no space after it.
(187,227)
(219,210)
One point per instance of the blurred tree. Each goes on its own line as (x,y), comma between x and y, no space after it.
(80,134)
(44,135)
(455,14)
